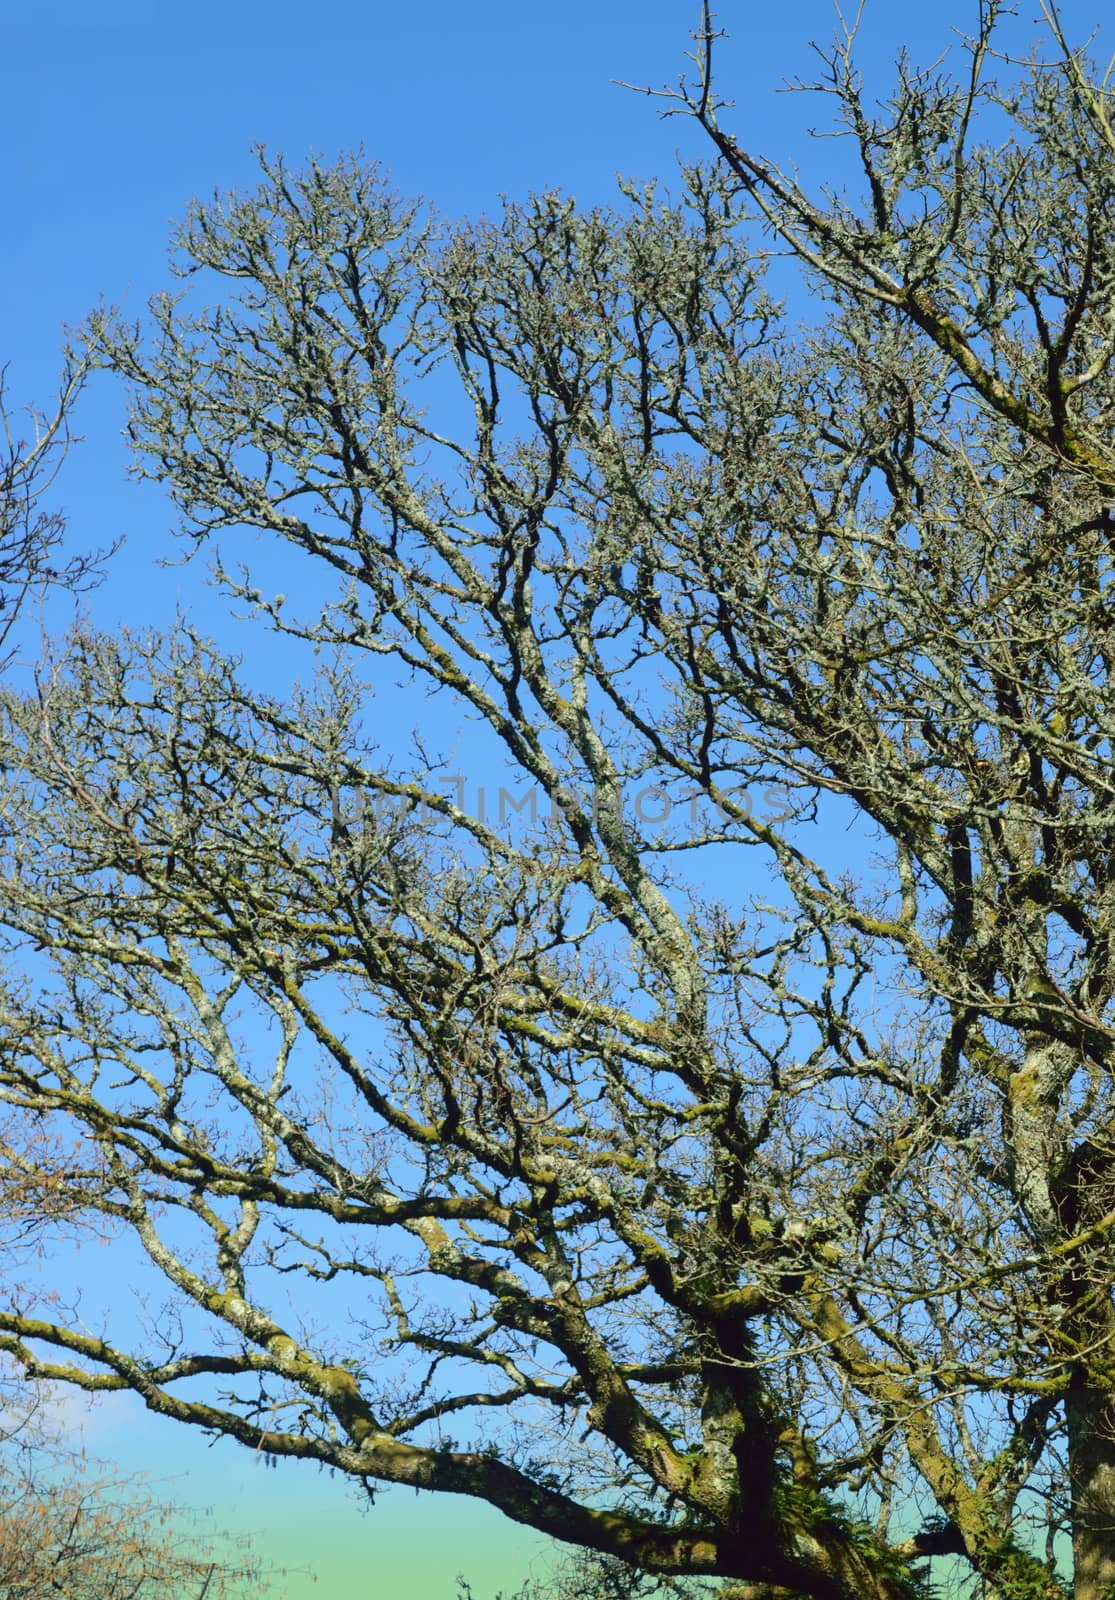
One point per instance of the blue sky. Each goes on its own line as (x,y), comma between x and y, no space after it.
(116,113)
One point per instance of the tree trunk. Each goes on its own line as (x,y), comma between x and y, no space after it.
(1091,1425)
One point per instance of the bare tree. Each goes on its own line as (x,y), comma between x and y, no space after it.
(85,1532)
(756,1232)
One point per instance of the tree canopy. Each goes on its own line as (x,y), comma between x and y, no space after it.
(692,1130)
(31,537)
